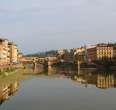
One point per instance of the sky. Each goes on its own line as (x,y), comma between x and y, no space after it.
(42,25)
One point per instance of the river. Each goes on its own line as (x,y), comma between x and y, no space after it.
(59,89)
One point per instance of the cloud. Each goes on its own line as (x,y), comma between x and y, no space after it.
(39,24)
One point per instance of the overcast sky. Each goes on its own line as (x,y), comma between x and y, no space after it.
(40,25)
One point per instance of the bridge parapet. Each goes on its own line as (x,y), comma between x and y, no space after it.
(52,59)
(44,61)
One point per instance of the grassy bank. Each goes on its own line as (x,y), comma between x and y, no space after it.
(7,72)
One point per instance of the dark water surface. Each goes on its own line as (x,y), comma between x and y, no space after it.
(59,89)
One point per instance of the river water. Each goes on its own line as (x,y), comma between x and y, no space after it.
(59,89)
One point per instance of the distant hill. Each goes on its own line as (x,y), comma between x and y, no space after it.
(42,54)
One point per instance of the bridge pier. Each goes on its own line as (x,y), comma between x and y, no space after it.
(34,66)
(49,65)
(50,71)
(79,67)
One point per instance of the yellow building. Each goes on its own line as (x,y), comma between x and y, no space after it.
(101,52)
(13,52)
(3,51)
(105,51)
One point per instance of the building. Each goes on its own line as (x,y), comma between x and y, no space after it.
(91,53)
(101,52)
(114,51)
(105,51)
(61,51)
(8,52)
(60,55)
(3,51)
(13,52)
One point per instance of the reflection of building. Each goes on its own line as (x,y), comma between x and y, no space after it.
(101,80)
(80,80)
(7,90)
(86,78)
(105,81)
(13,87)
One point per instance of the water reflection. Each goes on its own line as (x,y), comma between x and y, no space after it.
(7,90)
(100,79)
(51,88)
(105,81)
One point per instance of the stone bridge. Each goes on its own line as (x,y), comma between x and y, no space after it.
(49,61)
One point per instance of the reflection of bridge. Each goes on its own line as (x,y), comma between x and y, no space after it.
(49,61)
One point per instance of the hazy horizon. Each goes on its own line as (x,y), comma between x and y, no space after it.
(40,25)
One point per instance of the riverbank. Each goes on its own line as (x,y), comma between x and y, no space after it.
(7,72)
(14,76)
(9,69)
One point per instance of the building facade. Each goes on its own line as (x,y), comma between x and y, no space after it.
(105,51)
(114,51)
(3,51)
(13,52)
(91,53)
(8,52)
(101,52)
